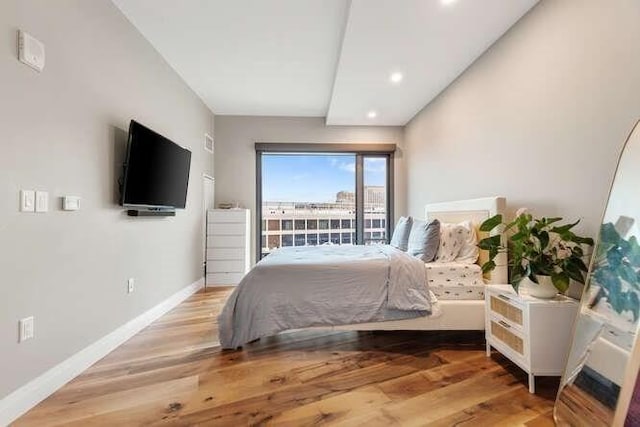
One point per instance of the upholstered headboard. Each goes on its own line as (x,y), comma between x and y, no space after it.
(476,211)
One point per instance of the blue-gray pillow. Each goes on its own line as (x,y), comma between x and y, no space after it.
(424,239)
(400,237)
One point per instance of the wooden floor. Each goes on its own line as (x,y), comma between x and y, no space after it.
(174,373)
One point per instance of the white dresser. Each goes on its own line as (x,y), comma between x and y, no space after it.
(533,333)
(228,246)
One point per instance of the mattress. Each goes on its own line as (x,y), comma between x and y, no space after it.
(455,281)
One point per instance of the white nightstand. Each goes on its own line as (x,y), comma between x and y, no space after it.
(533,333)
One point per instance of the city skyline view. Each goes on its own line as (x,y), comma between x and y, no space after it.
(315,178)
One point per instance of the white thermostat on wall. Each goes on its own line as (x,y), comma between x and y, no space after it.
(30,51)
(71,203)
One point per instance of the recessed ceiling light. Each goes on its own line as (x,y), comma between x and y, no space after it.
(396,77)
(448,2)
(372,114)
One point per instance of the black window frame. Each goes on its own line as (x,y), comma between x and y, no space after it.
(361,151)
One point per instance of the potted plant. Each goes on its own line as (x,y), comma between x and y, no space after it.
(540,250)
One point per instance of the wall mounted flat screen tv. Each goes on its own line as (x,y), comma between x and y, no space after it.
(156,172)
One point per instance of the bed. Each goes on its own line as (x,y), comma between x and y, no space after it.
(362,287)
(453,314)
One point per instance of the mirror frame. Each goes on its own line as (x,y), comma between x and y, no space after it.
(633,363)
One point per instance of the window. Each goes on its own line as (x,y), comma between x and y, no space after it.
(274,224)
(311,194)
(312,239)
(273,242)
(376,205)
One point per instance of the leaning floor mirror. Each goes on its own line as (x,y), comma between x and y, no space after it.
(599,384)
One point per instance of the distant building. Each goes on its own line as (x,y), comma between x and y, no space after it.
(375,197)
(346,197)
(310,224)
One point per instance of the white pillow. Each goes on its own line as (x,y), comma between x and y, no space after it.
(451,238)
(469,251)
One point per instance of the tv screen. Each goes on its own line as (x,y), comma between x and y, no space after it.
(156,170)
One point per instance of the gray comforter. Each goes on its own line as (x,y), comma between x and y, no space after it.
(322,286)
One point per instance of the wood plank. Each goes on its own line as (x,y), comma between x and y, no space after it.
(174,373)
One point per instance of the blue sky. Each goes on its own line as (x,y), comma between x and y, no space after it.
(314,178)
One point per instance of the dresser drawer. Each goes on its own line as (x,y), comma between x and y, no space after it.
(214,254)
(224,278)
(226,266)
(227,241)
(227,216)
(505,307)
(503,332)
(228,228)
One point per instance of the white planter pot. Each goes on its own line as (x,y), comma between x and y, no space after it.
(543,289)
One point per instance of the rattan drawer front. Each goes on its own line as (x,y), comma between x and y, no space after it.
(506,310)
(501,331)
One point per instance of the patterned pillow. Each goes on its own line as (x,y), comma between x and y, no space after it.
(469,251)
(451,239)
(400,236)
(423,239)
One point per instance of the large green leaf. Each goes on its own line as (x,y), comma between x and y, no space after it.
(489,242)
(564,228)
(491,223)
(488,266)
(574,272)
(560,281)
(553,220)
(544,239)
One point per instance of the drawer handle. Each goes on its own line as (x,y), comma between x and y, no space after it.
(505,324)
(504,297)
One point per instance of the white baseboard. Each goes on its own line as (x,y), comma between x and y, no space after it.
(38,389)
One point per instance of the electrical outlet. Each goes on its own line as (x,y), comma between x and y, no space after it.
(130,284)
(26,328)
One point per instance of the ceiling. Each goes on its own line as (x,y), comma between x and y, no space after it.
(320,58)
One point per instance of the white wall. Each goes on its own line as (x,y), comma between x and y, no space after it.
(235,160)
(64,131)
(540,118)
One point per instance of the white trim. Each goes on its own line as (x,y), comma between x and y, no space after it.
(449,315)
(38,389)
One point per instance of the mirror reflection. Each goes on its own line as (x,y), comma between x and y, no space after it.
(606,327)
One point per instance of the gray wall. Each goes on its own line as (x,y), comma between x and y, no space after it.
(235,160)
(64,131)
(540,118)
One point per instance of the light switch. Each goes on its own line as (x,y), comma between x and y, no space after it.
(27,201)
(30,51)
(25,327)
(71,203)
(42,201)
